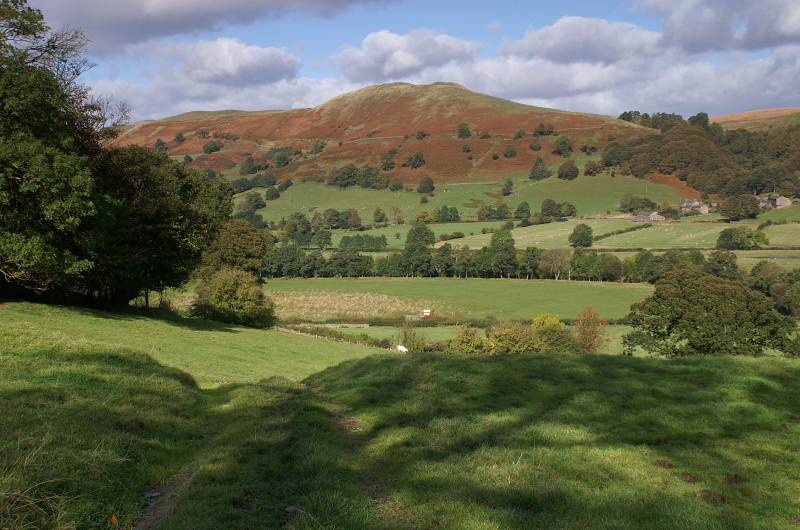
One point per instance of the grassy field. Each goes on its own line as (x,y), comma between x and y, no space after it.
(550,235)
(397,243)
(791,213)
(789,259)
(591,195)
(213,353)
(468,298)
(784,235)
(93,426)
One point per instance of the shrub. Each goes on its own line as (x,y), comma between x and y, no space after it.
(421,135)
(411,339)
(536,147)
(512,338)
(563,146)
(590,331)
(426,185)
(463,131)
(509,152)
(415,161)
(468,341)
(180,138)
(741,238)
(568,170)
(552,335)
(212,147)
(495,156)
(519,134)
(272,193)
(234,296)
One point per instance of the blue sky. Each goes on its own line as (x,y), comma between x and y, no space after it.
(671,55)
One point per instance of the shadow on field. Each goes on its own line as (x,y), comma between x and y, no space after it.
(161,315)
(578,441)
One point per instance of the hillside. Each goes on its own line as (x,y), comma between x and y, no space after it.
(362,126)
(758,120)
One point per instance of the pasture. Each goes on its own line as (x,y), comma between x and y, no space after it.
(362,298)
(438,229)
(590,195)
(214,353)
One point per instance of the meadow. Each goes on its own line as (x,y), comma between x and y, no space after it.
(395,243)
(449,297)
(590,195)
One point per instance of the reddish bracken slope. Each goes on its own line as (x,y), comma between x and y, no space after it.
(361,126)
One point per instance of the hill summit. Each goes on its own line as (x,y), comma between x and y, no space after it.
(385,122)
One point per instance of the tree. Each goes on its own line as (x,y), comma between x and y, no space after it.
(248,166)
(233,295)
(722,263)
(739,207)
(523,210)
(508,187)
(529,262)
(463,131)
(568,209)
(555,262)
(415,260)
(539,170)
(741,238)
(271,193)
(568,171)
(443,261)
(464,262)
(509,152)
(592,168)
(503,254)
(426,185)
(519,134)
(180,138)
(581,236)
(694,313)
(212,146)
(238,245)
(563,146)
(611,268)
(160,145)
(378,216)
(415,161)
(253,201)
(590,331)
(632,204)
(550,210)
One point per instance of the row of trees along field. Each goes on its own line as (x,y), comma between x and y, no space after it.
(710,158)
(80,220)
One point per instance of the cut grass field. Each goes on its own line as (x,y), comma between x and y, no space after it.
(468,298)
(590,195)
(438,229)
(213,353)
(388,441)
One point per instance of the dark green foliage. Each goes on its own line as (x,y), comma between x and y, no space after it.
(519,134)
(523,210)
(509,152)
(484,135)
(544,130)
(741,238)
(535,147)
(633,204)
(272,193)
(238,245)
(251,217)
(722,263)
(202,133)
(592,168)
(446,214)
(363,242)
(693,313)
(317,146)
(180,138)
(233,295)
(415,259)
(539,170)
(568,209)
(503,254)
(426,185)
(187,159)
(568,171)
(581,236)
(212,146)
(387,162)
(248,166)
(739,207)
(285,185)
(443,261)
(396,185)
(160,145)
(348,263)
(379,216)
(421,135)
(508,187)
(611,268)
(550,209)
(503,211)
(281,159)
(563,146)
(253,201)
(463,131)
(495,156)
(616,154)
(466,149)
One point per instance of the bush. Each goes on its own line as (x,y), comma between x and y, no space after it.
(212,147)
(513,338)
(272,193)
(463,131)
(411,339)
(415,161)
(741,238)
(234,296)
(509,152)
(568,171)
(552,335)
(426,185)
(590,331)
(468,341)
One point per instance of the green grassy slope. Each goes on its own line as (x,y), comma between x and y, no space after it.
(590,195)
(475,298)
(213,353)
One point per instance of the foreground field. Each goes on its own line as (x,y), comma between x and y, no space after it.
(213,353)
(92,429)
(328,298)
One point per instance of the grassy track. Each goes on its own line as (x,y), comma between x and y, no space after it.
(472,298)
(213,353)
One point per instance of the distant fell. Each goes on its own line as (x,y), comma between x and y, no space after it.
(395,120)
(757,120)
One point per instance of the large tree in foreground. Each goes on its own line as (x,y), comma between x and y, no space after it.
(692,313)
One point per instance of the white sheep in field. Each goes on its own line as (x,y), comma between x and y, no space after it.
(402,349)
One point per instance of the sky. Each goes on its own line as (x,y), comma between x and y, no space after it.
(164,57)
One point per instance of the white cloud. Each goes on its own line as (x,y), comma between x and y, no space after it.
(228,61)
(579,39)
(386,55)
(113,24)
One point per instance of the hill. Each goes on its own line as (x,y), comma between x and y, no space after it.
(362,126)
(758,120)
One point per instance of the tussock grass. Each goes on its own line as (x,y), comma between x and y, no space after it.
(322,305)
